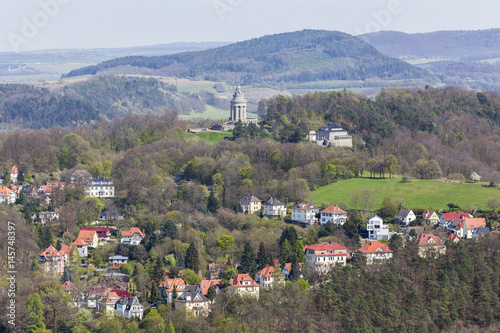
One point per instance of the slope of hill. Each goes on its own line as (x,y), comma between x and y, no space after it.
(302,56)
(454,45)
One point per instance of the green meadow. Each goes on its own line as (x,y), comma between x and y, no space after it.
(418,194)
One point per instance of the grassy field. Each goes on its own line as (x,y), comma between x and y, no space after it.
(419,194)
(209,137)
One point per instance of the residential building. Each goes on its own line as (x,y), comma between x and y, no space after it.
(7,195)
(109,304)
(204,285)
(406,216)
(376,228)
(479,232)
(430,246)
(375,251)
(102,233)
(168,284)
(274,208)
(89,236)
(133,237)
(82,247)
(53,261)
(304,212)
(70,288)
(243,285)
(332,214)
(430,217)
(100,187)
(215,271)
(250,204)
(332,134)
(45,217)
(267,276)
(446,218)
(464,228)
(110,216)
(117,261)
(413,232)
(14,173)
(193,302)
(287,269)
(129,307)
(323,256)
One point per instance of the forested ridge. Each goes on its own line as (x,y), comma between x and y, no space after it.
(302,56)
(28,106)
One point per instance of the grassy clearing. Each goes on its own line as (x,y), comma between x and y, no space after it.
(419,194)
(210,137)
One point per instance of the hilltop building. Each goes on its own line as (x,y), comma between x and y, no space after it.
(332,134)
(238,112)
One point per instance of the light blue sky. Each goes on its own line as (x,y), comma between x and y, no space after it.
(26,25)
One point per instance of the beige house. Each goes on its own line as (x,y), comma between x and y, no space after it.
(194,303)
(324,256)
(89,236)
(430,245)
(111,300)
(250,204)
(243,285)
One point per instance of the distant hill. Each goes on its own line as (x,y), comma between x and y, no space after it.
(456,45)
(302,56)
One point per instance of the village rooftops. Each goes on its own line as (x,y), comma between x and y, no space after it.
(429,239)
(251,198)
(333,209)
(243,280)
(133,231)
(326,248)
(304,206)
(273,202)
(375,247)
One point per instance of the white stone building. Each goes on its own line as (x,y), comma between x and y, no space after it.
(304,212)
(323,256)
(100,187)
(332,214)
(274,208)
(334,135)
(376,228)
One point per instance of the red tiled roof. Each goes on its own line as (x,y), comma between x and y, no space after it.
(473,223)
(333,209)
(66,249)
(5,191)
(325,247)
(304,205)
(69,286)
(206,284)
(267,271)
(427,214)
(169,284)
(452,237)
(423,240)
(121,293)
(79,241)
(236,282)
(112,298)
(133,231)
(451,216)
(375,247)
(87,235)
(14,169)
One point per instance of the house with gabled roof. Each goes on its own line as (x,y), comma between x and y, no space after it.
(102,233)
(168,284)
(333,214)
(129,307)
(53,261)
(7,195)
(14,173)
(215,271)
(204,285)
(430,245)
(100,187)
(133,237)
(89,236)
(243,285)
(287,269)
(430,217)
(304,212)
(446,218)
(193,303)
(324,256)
(82,247)
(109,304)
(375,251)
(464,228)
(406,216)
(267,276)
(250,204)
(274,208)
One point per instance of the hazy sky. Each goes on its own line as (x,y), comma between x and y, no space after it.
(46,24)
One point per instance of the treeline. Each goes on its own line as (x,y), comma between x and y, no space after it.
(411,124)
(25,106)
(301,56)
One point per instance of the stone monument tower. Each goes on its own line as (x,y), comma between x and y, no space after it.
(238,106)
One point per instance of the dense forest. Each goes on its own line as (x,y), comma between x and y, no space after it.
(199,221)
(27,106)
(302,56)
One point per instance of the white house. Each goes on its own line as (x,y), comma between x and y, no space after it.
(7,195)
(267,276)
(406,216)
(324,256)
(81,246)
(304,212)
(376,228)
(274,208)
(333,134)
(129,307)
(45,217)
(133,237)
(14,173)
(464,228)
(332,214)
(100,187)
(375,250)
